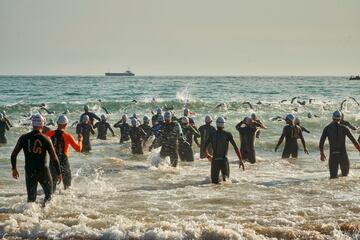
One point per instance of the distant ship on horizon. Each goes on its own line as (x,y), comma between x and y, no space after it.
(125,74)
(354,77)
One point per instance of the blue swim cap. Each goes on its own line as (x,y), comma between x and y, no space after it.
(337,115)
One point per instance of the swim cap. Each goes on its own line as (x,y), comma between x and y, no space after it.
(62,119)
(186,112)
(103,117)
(86,108)
(167,115)
(158,111)
(4,113)
(134,115)
(220,122)
(160,118)
(134,122)
(208,119)
(37,120)
(1,116)
(290,117)
(85,118)
(247,120)
(124,117)
(185,120)
(146,118)
(337,115)
(297,120)
(253,116)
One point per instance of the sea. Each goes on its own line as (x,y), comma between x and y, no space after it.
(117,195)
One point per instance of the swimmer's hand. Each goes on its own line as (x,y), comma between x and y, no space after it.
(58,179)
(276,148)
(209,157)
(322,157)
(15,173)
(306,151)
(241,164)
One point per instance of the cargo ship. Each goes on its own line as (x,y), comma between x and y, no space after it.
(354,77)
(125,74)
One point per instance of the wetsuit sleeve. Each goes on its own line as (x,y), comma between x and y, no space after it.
(346,123)
(110,128)
(96,125)
(69,139)
(117,125)
(8,122)
(323,137)
(351,137)
(238,126)
(92,130)
(302,139)
(53,156)
(208,141)
(15,152)
(233,143)
(196,134)
(281,139)
(96,116)
(304,129)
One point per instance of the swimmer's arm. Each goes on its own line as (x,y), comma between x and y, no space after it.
(8,121)
(117,125)
(76,146)
(14,154)
(281,139)
(95,116)
(92,130)
(111,130)
(303,142)
(352,139)
(237,151)
(53,157)
(323,137)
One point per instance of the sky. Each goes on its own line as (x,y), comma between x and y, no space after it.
(187,37)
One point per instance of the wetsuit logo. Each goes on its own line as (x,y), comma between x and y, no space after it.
(37,148)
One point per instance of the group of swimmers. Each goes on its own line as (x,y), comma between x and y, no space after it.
(175,137)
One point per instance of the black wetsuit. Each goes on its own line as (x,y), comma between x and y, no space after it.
(168,140)
(124,131)
(303,128)
(137,135)
(3,127)
(35,146)
(205,131)
(348,124)
(91,115)
(336,133)
(147,129)
(154,119)
(291,133)
(85,130)
(219,141)
(185,147)
(102,129)
(59,145)
(247,139)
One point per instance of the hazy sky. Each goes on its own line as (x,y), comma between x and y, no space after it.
(187,37)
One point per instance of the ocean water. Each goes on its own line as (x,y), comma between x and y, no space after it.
(116,195)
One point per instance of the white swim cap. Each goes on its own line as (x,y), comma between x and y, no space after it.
(220,122)
(38,120)
(62,119)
